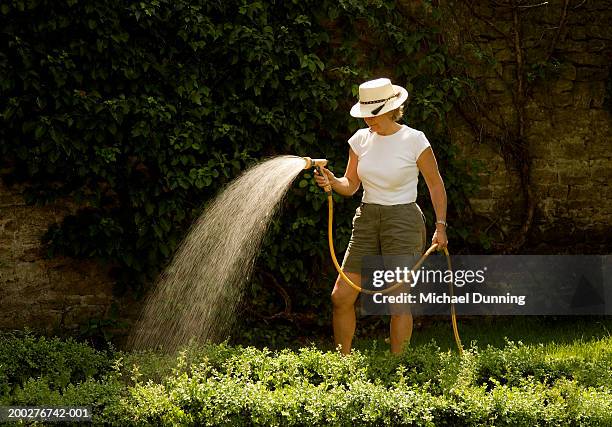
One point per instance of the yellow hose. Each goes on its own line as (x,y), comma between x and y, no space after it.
(432,248)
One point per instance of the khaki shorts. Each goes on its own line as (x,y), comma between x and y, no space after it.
(385,230)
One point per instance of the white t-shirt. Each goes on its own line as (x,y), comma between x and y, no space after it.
(387,164)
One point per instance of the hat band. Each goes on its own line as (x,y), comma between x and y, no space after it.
(379,100)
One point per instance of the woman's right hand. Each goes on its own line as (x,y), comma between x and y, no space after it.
(326,179)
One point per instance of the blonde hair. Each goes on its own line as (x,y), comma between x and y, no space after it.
(396,114)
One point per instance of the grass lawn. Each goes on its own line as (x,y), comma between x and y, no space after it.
(528,329)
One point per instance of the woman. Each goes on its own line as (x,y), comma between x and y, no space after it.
(386,158)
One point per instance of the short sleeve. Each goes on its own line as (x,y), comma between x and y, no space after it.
(357,142)
(420,144)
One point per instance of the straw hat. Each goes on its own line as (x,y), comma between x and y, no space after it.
(377,97)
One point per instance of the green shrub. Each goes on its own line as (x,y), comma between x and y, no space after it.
(233,386)
(513,364)
(58,362)
(424,365)
(516,362)
(423,386)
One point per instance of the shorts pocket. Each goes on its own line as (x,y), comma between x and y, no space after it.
(357,215)
(402,231)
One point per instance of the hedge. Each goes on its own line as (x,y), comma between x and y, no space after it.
(224,385)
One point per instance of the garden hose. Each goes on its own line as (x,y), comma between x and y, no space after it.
(432,248)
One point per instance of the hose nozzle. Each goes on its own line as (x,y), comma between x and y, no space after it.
(314,163)
(318,164)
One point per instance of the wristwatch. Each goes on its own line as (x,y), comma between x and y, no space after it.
(440,221)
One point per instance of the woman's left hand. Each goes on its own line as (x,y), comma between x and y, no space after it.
(440,238)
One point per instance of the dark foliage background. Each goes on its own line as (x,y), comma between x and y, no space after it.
(142,111)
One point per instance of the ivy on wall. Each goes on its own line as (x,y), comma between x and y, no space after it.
(142,111)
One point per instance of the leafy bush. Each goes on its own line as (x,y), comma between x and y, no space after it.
(225,385)
(518,362)
(59,362)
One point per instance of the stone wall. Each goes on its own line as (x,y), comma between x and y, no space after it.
(568,124)
(44,294)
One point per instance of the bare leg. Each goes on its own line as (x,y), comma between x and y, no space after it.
(401,331)
(343,299)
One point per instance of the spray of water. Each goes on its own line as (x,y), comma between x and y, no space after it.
(195,298)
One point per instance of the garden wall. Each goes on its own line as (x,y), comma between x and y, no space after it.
(42,293)
(567,122)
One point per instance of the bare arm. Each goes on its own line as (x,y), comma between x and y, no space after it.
(346,185)
(429,169)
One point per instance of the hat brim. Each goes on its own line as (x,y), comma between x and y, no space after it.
(361,110)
